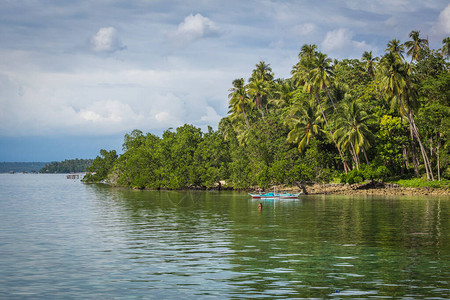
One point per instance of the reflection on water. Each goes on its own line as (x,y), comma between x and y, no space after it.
(65,239)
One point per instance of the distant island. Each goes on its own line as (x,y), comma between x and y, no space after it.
(20,167)
(67,166)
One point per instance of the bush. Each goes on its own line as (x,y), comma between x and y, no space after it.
(354,176)
(418,182)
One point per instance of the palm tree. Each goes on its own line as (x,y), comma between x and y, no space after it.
(304,65)
(321,74)
(370,62)
(398,84)
(282,93)
(258,90)
(446,47)
(353,133)
(314,72)
(396,48)
(305,121)
(416,45)
(239,99)
(262,71)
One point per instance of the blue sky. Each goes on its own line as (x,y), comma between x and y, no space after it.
(75,76)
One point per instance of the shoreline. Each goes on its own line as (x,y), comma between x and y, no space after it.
(368,189)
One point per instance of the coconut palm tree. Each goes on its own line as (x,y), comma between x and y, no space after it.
(396,48)
(304,65)
(239,99)
(258,91)
(262,71)
(370,62)
(305,120)
(398,84)
(446,47)
(353,133)
(314,72)
(415,45)
(283,91)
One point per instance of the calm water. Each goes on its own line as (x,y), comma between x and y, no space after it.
(63,239)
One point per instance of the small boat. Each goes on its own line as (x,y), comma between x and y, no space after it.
(274,195)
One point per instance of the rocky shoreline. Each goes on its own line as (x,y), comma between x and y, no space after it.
(371,188)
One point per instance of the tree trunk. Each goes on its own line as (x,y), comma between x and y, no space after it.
(365,156)
(355,155)
(422,149)
(415,132)
(437,156)
(413,153)
(245,117)
(302,187)
(321,109)
(335,143)
(329,97)
(405,157)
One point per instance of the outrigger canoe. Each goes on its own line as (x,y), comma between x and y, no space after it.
(273,195)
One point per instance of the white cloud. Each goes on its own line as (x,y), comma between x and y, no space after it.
(337,39)
(109,112)
(106,40)
(304,29)
(442,26)
(211,116)
(194,27)
(341,40)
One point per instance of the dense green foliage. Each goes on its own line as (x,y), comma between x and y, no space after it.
(101,166)
(67,166)
(354,119)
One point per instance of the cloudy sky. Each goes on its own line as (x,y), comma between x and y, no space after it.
(75,76)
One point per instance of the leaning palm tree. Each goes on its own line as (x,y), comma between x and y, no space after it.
(239,99)
(370,62)
(305,120)
(446,47)
(415,45)
(353,133)
(398,84)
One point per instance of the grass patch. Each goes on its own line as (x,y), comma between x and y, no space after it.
(420,183)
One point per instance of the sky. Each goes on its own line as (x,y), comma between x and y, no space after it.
(75,76)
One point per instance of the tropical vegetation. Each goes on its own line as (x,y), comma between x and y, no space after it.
(351,119)
(67,166)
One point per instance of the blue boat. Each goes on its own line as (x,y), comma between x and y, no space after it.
(274,195)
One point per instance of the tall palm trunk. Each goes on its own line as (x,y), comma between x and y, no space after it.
(413,127)
(259,104)
(346,167)
(437,156)
(422,149)
(245,117)
(365,156)
(413,153)
(321,109)
(329,97)
(355,155)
